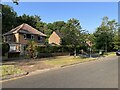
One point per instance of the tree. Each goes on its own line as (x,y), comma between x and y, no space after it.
(8,18)
(31,20)
(105,33)
(116,40)
(72,34)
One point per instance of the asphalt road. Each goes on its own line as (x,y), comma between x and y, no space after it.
(94,74)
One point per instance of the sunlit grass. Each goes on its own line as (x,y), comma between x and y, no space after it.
(67,60)
(110,54)
(9,70)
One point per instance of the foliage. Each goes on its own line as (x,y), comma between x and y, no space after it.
(8,18)
(104,34)
(31,49)
(5,48)
(73,34)
(31,20)
(57,49)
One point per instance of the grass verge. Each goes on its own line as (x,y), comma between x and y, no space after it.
(110,54)
(6,70)
(67,60)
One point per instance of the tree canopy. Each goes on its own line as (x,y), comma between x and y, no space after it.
(105,33)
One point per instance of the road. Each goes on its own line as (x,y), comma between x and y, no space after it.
(94,74)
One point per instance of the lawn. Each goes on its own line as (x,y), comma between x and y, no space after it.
(6,70)
(67,60)
(110,54)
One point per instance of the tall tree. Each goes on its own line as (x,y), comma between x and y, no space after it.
(31,20)
(8,18)
(72,34)
(105,33)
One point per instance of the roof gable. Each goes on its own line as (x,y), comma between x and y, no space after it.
(59,34)
(25,28)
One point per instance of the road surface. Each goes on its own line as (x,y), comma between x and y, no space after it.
(94,74)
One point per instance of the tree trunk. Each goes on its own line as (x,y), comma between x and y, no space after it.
(75,52)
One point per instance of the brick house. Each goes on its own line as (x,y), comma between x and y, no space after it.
(21,35)
(55,38)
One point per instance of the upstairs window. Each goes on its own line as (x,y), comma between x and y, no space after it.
(32,36)
(39,38)
(24,36)
(28,36)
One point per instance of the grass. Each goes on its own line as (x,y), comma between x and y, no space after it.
(71,59)
(9,70)
(67,60)
(110,54)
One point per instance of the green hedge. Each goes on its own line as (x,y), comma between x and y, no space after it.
(58,49)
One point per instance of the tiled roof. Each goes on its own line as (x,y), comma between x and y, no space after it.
(25,28)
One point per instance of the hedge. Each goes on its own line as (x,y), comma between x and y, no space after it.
(58,49)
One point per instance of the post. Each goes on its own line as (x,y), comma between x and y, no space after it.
(90,52)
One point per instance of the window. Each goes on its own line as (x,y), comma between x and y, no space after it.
(12,47)
(39,38)
(32,36)
(28,36)
(24,36)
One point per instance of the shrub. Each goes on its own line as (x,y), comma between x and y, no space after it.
(57,49)
(31,49)
(5,48)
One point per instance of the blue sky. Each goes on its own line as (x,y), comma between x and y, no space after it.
(89,14)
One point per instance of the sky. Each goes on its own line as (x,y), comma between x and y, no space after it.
(89,14)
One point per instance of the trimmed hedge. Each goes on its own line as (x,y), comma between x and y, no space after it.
(44,55)
(58,49)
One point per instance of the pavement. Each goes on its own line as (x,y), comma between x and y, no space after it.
(95,74)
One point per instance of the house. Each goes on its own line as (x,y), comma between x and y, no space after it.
(21,35)
(55,38)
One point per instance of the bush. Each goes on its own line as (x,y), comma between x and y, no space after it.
(57,49)
(31,49)
(5,48)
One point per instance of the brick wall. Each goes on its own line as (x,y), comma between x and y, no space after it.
(54,38)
